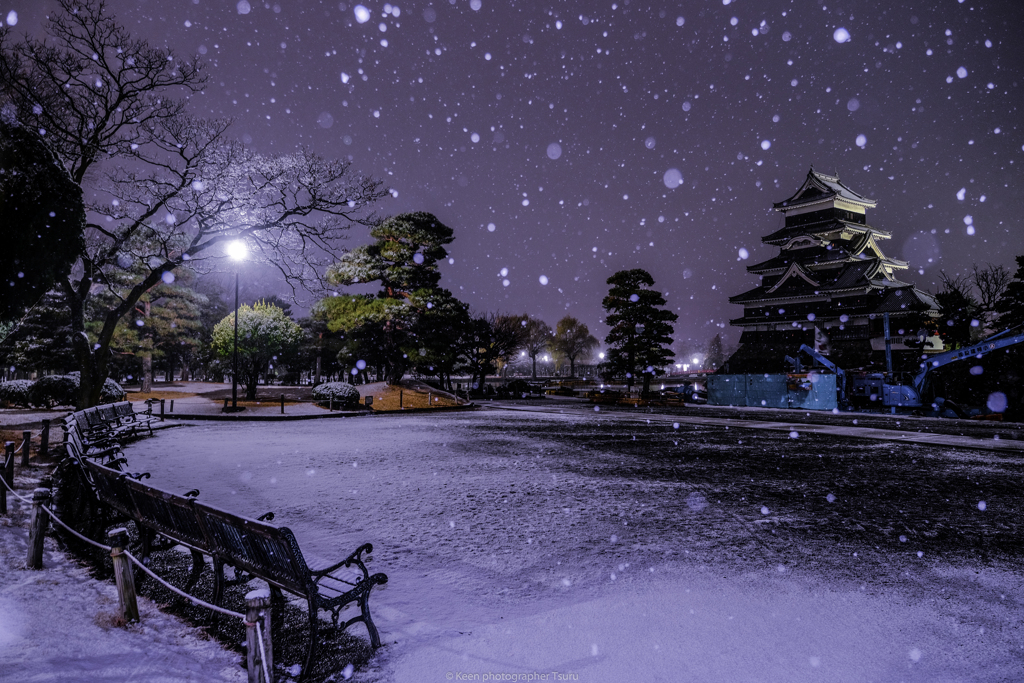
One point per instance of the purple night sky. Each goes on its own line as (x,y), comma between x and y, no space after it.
(565,141)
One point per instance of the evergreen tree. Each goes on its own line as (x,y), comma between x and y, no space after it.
(641,331)
(41,341)
(441,332)
(43,216)
(1011,304)
(716,355)
(384,330)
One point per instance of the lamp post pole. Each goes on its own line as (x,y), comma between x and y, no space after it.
(234,369)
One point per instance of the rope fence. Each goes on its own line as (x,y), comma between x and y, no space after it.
(258,638)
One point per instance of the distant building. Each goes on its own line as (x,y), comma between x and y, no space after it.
(829,287)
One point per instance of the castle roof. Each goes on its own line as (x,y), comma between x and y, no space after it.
(819,188)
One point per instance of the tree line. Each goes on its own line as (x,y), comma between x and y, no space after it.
(122,199)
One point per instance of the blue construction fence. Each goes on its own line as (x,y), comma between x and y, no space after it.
(810,391)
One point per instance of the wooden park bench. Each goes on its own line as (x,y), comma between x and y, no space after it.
(134,421)
(254,548)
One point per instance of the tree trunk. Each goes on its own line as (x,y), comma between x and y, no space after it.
(630,372)
(534,359)
(252,379)
(88,393)
(316,373)
(572,367)
(147,355)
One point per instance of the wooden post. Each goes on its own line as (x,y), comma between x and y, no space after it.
(429,404)
(172,405)
(26,445)
(7,474)
(257,611)
(282,404)
(331,403)
(400,406)
(37,528)
(123,574)
(44,440)
(161,407)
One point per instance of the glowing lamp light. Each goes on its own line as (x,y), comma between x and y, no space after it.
(237,250)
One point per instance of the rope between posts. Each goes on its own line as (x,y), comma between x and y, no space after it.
(56,519)
(183,594)
(23,500)
(263,652)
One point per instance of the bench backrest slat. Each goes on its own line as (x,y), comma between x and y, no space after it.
(172,515)
(272,552)
(111,488)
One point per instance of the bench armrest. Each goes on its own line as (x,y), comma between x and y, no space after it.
(353,559)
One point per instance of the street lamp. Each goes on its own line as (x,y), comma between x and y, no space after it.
(236,251)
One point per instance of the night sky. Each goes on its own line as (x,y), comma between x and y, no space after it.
(564,141)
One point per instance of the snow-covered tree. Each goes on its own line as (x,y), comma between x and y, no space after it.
(384,330)
(184,189)
(264,333)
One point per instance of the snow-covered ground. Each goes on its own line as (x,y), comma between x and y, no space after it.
(580,547)
(59,624)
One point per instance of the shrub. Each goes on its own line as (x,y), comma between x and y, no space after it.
(343,394)
(111,392)
(53,390)
(62,390)
(15,392)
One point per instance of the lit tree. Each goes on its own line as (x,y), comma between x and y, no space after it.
(264,334)
(641,331)
(572,340)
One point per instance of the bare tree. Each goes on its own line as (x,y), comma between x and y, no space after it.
(184,189)
(990,282)
(572,340)
(494,340)
(538,338)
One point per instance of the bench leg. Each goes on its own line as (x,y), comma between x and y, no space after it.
(197,570)
(314,623)
(218,588)
(364,607)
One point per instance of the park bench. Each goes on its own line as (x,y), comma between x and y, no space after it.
(135,421)
(81,444)
(254,548)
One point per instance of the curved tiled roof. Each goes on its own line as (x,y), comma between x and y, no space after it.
(820,187)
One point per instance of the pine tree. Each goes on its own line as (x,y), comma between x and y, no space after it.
(641,331)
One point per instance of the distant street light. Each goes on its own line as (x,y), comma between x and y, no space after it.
(237,251)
